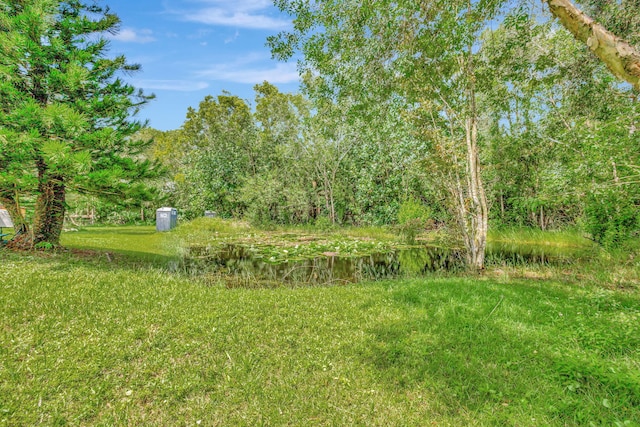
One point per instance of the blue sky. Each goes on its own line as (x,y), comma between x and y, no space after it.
(192,48)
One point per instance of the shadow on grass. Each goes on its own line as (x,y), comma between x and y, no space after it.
(563,357)
(100,258)
(127,231)
(120,257)
(126,246)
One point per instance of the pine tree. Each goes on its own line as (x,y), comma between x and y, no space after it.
(66,114)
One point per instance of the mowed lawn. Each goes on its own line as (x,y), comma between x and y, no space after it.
(89,339)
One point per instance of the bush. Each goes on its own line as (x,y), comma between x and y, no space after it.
(413,216)
(324,223)
(611,218)
(269,202)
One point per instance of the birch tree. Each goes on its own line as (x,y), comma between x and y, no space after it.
(421,53)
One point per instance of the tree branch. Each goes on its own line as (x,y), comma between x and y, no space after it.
(618,55)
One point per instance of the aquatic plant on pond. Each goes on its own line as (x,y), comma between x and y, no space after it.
(251,266)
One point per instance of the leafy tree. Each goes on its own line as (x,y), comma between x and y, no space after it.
(419,53)
(369,168)
(306,164)
(329,142)
(429,56)
(67,110)
(279,118)
(219,153)
(524,79)
(563,129)
(282,189)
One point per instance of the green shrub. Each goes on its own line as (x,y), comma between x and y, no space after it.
(44,246)
(271,202)
(413,216)
(611,218)
(324,223)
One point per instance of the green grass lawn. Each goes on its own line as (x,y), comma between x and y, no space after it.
(91,339)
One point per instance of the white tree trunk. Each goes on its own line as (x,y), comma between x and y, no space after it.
(476,235)
(478,212)
(618,55)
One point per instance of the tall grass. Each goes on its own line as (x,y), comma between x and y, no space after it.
(562,238)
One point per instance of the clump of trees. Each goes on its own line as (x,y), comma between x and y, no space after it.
(288,161)
(493,103)
(515,123)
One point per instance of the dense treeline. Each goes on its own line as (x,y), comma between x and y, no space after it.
(557,134)
(445,113)
(288,161)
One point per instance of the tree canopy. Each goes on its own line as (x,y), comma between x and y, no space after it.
(66,114)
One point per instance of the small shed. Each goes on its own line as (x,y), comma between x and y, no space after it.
(5,221)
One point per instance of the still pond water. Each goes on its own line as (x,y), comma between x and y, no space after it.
(241,267)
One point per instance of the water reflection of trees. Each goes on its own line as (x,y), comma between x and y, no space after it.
(239,267)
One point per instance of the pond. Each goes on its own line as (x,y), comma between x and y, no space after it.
(240,266)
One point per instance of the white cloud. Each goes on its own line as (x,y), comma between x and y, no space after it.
(239,13)
(215,16)
(201,33)
(237,73)
(174,85)
(241,4)
(129,35)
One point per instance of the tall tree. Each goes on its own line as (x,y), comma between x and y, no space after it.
(563,128)
(218,147)
(20,23)
(525,67)
(281,191)
(67,108)
(421,53)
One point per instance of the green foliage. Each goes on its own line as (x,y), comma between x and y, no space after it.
(413,217)
(270,201)
(67,110)
(413,209)
(291,167)
(560,127)
(324,223)
(43,246)
(217,154)
(124,217)
(383,116)
(612,218)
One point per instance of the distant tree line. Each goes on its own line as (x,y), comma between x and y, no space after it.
(510,124)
